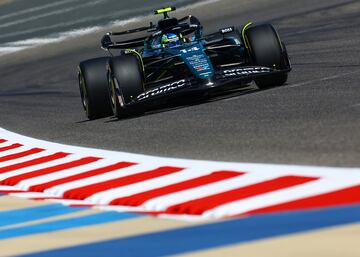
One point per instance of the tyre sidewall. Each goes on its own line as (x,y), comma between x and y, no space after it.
(93,88)
(125,84)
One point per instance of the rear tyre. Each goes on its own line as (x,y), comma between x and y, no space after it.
(266,49)
(125,82)
(93,88)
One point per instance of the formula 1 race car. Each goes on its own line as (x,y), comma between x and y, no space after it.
(175,59)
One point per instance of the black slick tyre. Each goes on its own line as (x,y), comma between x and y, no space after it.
(125,81)
(265,49)
(94,88)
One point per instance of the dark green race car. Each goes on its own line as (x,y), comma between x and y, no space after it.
(173,59)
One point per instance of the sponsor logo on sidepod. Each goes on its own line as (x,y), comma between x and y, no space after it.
(162,90)
(245,71)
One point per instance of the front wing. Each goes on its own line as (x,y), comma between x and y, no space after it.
(221,79)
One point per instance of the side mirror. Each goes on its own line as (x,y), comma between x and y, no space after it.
(194,20)
(106,42)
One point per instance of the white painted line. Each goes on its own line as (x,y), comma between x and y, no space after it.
(12,47)
(30,195)
(120,208)
(8,188)
(51,13)
(68,202)
(36,9)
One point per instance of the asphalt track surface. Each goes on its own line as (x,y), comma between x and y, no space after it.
(24,19)
(314,119)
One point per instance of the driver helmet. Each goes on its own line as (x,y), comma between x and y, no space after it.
(170,40)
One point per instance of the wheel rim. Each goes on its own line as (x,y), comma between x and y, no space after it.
(83,92)
(112,92)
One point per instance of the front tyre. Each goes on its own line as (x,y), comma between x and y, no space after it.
(93,88)
(125,82)
(266,49)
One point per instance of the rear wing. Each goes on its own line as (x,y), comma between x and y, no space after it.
(167,24)
(108,43)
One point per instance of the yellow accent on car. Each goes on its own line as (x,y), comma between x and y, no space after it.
(168,9)
(164,39)
(246,41)
(133,51)
(162,74)
(139,55)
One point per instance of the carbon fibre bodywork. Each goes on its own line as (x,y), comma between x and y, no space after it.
(199,63)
